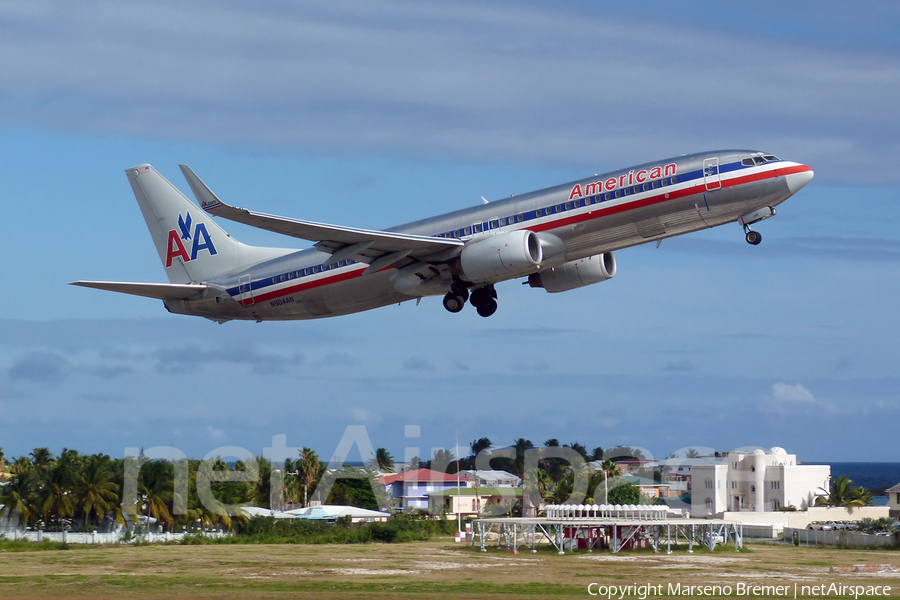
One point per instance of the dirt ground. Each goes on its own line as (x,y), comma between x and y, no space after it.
(438,569)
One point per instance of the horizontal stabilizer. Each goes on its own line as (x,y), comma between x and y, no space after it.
(160,291)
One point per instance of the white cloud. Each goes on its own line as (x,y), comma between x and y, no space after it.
(792,392)
(214,433)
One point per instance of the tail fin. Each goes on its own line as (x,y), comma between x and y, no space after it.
(191,246)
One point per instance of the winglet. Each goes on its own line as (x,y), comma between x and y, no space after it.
(208,201)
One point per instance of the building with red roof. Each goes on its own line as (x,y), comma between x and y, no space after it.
(410,488)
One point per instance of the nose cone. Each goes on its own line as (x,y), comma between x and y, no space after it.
(797,180)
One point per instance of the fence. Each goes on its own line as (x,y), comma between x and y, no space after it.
(92,537)
(848,539)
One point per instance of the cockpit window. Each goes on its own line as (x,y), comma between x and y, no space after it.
(759,160)
(770,157)
(747,162)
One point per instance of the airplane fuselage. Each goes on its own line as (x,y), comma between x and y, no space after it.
(584,218)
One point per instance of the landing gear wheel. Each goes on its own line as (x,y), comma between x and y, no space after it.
(454,303)
(481,296)
(488,309)
(754,237)
(462,292)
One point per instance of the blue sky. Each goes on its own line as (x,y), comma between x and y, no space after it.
(372,114)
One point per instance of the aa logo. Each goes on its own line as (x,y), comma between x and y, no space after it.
(198,239)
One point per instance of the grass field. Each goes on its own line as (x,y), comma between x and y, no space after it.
(436,569)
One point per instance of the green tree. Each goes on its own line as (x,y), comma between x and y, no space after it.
(155,488)
(41,458)
(18,496)
(261,488)
(382,461)
(309,472)
(22,465)
(56,480)
(842,494)
(520,445)
(480,444)
(579,449)
(95,491)
(627,493)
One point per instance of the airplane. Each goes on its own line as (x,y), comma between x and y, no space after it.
(560,238)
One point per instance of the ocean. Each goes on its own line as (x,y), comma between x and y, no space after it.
(875,476)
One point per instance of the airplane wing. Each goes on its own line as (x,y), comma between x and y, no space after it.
(160,291)
(361,244)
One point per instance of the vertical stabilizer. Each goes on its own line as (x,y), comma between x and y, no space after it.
(191,246)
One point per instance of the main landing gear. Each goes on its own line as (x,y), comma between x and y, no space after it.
(484,299)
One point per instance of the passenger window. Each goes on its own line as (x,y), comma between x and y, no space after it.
(674,179)
(646,186)
(477,228)
(568,206)
(468,230)
(559,207)
(502,222)
(654,185)
(626,190)
(618,193)
(520,218)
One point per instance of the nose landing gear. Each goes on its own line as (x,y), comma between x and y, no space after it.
(755,237)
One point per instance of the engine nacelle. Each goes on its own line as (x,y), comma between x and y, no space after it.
(501,255)
(575,273)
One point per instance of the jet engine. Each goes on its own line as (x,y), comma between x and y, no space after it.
(501,255)
(575,273)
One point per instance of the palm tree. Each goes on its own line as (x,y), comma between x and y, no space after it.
(155,488)
(520,445)
(95,490)
(261,489)
(579,449)
(308,470)
(867,525)
(2,460)
(56,480)
(18,496)
(609,469)
(41,458)
(480,444)
(291,481)
(22,465)
(841,494)
(692,453)
(382,461)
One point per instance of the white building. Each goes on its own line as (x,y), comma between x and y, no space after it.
(894,501)
(756,481)
(493,478)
